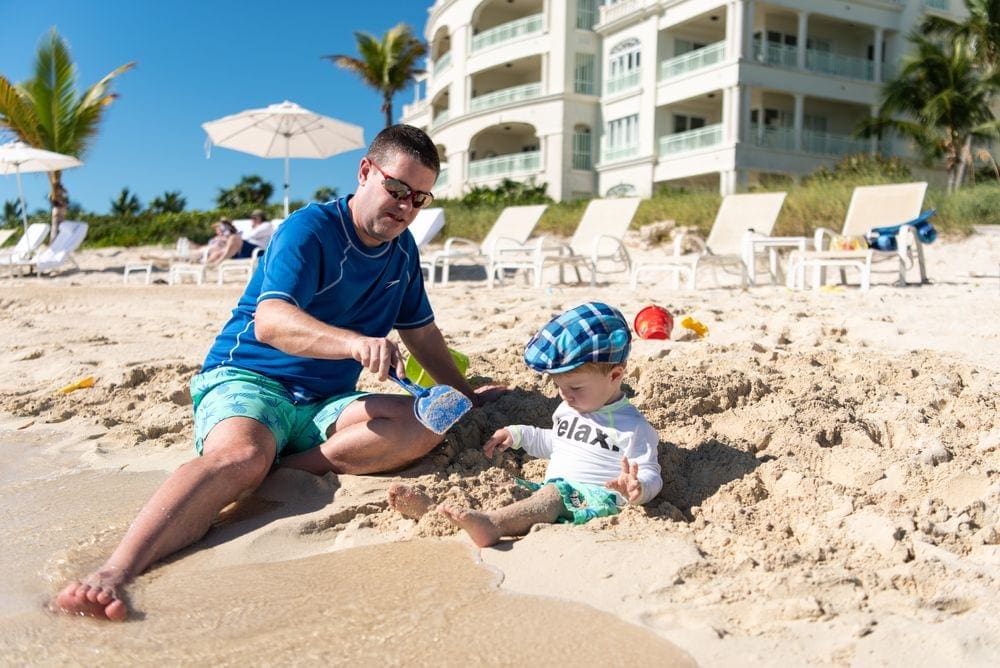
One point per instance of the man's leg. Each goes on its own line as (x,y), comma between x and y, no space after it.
(487,528)
(375,433)
(238,453)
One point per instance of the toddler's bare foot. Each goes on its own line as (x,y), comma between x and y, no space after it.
(95,596)
(408,500)
(477,524)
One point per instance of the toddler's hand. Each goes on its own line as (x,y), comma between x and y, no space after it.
(627,483)
(499,441)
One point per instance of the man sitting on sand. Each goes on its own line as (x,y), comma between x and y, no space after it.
(279,384)
(602,452)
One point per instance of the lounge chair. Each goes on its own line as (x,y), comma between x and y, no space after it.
(740,219)
(426,225)
(20,254)
(71,234)
(508,234)
(870,207)
(597,244)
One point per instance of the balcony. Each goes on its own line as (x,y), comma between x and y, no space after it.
(814,142)
(506,166)
(620,152)
(508,32)
(623,9)
(442,179)
(692,140)
(692,61)
(824,62)
(442,64)
(622,83)
(439,119)
(942,5)
(505,96)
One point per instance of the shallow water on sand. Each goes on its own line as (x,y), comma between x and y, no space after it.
(421,602)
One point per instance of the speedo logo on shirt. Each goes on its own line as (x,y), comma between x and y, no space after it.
(390,284)
(584,434)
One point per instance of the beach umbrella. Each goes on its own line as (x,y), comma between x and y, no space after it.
(17,157)
(286,131)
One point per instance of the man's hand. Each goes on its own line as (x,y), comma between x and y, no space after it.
(627,483)
(378,355)
(499,441)
(487,393)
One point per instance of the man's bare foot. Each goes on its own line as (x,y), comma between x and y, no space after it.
(96,596)
(477,524)
(408,500)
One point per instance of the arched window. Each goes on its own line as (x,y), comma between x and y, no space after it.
(624,58)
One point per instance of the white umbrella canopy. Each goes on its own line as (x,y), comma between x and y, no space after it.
(17,157)
(284,130)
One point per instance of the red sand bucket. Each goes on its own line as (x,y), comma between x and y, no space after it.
(653,322)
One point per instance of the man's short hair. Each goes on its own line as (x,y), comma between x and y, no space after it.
(409,141)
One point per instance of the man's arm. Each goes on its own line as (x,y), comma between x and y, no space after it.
(291,330)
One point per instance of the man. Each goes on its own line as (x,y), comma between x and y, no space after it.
(279,384)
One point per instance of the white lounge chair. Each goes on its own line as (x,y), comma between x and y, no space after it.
(870,207)
(69,237)
(508,234)
(596,244)
(426,225)
(740,219)
(20,254)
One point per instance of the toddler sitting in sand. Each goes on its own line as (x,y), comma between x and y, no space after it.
(602,452)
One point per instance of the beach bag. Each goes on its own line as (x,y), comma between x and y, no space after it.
(884,238)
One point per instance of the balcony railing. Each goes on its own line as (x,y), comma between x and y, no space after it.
(439,118)
(692,140)
(622,83)
(442,63)
(692,60)
(505,96)
(826,62)
(620,10)
(944,5)
(820,143)
(442,179)
(507,32)
(620,152)
(514,164)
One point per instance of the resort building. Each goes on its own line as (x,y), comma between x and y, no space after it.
(616,97)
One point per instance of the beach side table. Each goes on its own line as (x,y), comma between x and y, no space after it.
(773,246)
(137,267)
(179,270)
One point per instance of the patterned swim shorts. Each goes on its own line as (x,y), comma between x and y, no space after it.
(584,502)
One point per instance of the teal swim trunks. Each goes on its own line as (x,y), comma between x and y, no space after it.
(227,392)
(584,502)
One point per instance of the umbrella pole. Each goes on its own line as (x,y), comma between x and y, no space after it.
(286,181)
(20,194)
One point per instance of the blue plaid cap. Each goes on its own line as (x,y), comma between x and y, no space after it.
(591,332)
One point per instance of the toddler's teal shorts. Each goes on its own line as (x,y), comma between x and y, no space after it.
(584,502)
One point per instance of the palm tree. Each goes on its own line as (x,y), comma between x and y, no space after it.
(325,194)
(11,213)
(169,202)
(251,192)
(389,65)
(940,100)
(126,205)
(47,112)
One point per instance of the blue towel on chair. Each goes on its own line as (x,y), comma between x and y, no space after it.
(884,238)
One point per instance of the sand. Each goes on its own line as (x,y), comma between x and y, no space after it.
(831,465)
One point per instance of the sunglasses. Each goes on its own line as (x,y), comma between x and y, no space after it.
(400,190)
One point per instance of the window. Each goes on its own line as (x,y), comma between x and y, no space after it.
(585,74)
(683,123)
(624,59)
(624,131)
(582,139)
(586,14)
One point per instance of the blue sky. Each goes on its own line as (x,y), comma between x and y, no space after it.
(198,60)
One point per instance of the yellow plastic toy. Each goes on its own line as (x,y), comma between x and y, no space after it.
(699,328)
(80,384)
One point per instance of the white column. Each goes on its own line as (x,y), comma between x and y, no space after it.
(734,23)
(742,106)
(877,54)
(802,40)
(746,32)
(728,122)
(798,120)
(727,182)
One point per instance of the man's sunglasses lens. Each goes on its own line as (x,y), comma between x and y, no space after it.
(400,191)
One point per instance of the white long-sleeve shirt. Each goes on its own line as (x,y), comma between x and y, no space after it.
(588,447)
